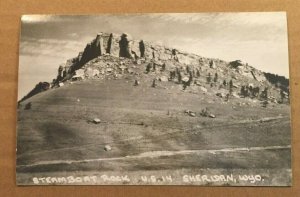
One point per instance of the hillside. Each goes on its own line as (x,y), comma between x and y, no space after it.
(164,113)
(137,52)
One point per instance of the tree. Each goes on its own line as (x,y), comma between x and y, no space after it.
(148,68)
(211,64)
(154,67)
(230,83)
(187,69)
(216,77)
(154,83)
(230,87)
(264,94)
(163,67)
(198,73)
(190,78)
(282,96)
(255,91)
(251,94)
(177,71)
(171,75)
(243,91)
(179,77)
(136,83)
(208,78)
(28,106)
(142,48)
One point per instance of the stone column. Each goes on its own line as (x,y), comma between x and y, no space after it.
(124,45)
(99,44)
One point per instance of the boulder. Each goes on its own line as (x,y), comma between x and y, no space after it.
(130,71)
(187,111)
(234,94)
(79,72)
(109,69)
(96,120)
(89,72)
(203,89)
(122,67)
(198,83)
(96,72)
(234,77)
(107,148)
(221,94)
(211,116)
(192,114)
(163,78)
(77,78)
(185,79)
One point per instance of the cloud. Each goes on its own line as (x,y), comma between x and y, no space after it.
(73,35)
(40,58)
(226,18)
(236,26)
(50,47)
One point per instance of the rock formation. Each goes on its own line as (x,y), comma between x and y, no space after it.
(124,45)
(111,54)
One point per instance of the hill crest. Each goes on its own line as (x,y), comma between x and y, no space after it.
(116,55)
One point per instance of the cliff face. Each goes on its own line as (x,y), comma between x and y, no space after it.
(115,54)
(125,46)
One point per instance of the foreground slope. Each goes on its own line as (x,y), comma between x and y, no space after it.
(149,132)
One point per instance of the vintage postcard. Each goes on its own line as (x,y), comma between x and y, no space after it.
(154,99)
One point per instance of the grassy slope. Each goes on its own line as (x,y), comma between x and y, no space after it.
(136,120)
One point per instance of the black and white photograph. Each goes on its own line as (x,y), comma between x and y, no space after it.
(154,99)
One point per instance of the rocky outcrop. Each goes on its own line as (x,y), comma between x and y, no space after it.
(247,71)
(124,46)
(111,56)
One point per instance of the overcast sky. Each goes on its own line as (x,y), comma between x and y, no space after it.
(257,38)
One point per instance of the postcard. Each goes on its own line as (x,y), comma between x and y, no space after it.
(154,99)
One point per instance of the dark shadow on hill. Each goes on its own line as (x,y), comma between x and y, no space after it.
(40,87)
(277,80)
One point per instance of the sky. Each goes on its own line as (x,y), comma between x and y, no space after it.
(258,38)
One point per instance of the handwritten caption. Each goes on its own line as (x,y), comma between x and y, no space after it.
(150,179)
